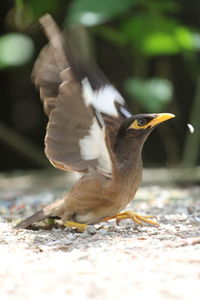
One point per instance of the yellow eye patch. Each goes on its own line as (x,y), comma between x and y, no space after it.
(138,124)
(143,123)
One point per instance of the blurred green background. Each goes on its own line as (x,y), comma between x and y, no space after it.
(149,49)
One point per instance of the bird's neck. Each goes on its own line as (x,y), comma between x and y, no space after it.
(129,167)
(127,174)
(128,159)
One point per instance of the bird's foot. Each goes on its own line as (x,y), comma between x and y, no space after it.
(133,216)
(79,226)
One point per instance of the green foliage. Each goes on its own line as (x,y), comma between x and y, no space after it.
(42,7)
(152,94)
(147,28)
(38,7)
(90,12)
(160,43)
(144,32)
(166,43)
(151,36)
(15,49)
(148,35)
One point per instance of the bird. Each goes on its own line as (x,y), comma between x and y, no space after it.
(91,131)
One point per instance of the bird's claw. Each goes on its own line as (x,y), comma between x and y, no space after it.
(79,226)
(133,216)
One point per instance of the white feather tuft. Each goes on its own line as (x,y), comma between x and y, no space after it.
(103,99)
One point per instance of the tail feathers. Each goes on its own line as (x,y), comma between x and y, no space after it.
(37,217)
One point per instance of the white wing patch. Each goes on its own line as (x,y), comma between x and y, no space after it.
(102,100)
(93,146)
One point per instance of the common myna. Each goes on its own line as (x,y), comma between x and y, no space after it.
(90,131)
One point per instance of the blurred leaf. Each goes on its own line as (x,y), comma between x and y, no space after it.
(158,35)
(15,49)
(181,39)
(142,30)
(152,94)
(21,16)
(164,6)
(184,38)
(45,6)
(112,34)
(90,12)
(37,8)
(19,4)
(160,43)
(196,40)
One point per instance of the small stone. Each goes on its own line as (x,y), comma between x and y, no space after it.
(154,233)
(164,219)
(91,230)
(197,219)
(112,228)
(67,229)
(103,231)
(142,229)
(197,214)
(177,227)
(183,217)
(191,209)
(72,236)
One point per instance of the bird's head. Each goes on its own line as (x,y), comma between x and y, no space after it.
(134,131)
(145,123)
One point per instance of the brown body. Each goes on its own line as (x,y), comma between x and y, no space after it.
(95,197)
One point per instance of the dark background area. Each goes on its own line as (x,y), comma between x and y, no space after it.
(149,49)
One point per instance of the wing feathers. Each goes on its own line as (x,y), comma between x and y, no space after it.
(79,101)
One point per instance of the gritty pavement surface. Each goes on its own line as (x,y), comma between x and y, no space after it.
(107,261)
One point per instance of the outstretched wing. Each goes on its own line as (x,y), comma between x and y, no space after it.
(79,102)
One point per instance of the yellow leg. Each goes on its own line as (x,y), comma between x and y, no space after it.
(80,227)
(133,216)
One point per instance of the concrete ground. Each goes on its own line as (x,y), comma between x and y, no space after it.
(107,261)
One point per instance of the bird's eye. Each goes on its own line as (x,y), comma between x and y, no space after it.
(141,122)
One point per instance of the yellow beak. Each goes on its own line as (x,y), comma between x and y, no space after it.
(160,118)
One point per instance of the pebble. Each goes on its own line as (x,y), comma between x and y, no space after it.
(191,209)
(91,230)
